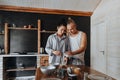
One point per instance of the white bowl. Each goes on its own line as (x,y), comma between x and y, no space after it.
(98,77)
(56,64)
(47,69)
(51,79)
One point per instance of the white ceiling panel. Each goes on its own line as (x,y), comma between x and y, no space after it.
(76,5)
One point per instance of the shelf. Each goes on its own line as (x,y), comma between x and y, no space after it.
(23,28)
(8,55)
(47,31)
(22,69)
(1,33)
(30,77)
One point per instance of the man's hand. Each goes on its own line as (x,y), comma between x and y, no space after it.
(57,53)
(69,53)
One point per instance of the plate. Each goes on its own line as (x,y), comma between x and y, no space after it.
(72,75)
(50,79)
(98,77)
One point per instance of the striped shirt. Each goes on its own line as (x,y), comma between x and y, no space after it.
(56,43)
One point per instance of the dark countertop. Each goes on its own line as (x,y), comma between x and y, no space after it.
(84,69)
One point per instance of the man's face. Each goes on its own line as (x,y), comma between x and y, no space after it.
(71,28)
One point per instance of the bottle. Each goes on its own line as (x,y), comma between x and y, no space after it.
(41,50)
(85,76)
(13,25)
(0,50)
(29,26)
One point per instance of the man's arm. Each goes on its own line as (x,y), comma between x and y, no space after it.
(82,46)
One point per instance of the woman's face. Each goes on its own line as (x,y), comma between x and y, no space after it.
(71,28)
(61,30)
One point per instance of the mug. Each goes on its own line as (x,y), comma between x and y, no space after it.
(61,73)
(41,50)
(72,77)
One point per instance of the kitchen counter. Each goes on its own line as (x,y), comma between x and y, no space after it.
(17,55)
(84,69)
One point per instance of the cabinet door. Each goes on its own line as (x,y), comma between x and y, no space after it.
(98,54)
(44,61)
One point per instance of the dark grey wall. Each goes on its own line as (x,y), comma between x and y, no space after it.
(23,41)
(49,22)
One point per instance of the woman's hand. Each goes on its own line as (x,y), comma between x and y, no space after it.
(57,53)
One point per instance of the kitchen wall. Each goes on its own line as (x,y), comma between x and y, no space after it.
(108,12)
(48,22)
(1,68)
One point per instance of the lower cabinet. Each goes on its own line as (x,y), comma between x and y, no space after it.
(44,60)
(1,68)
(19,66)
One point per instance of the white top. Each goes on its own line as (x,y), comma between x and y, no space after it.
(75,43)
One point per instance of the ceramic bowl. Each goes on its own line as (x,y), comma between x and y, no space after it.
(47,69)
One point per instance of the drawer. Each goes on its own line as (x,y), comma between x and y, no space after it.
(44,60)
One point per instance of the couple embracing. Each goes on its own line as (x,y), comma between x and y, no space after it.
(70,47)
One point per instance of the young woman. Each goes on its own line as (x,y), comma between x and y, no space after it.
(57,44)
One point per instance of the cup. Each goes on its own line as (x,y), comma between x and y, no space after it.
(29,26)
(74,77)
(77,71)
(2,51)
(13,25)
(61,73)
(20,65)
(2,31)
(41,50)
(86,76)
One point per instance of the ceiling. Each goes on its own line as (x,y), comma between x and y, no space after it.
(76,5)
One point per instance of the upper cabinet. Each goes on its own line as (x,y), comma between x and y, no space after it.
(23,31)
(22,39)
(1,36)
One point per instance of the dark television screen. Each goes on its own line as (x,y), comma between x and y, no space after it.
(23,41)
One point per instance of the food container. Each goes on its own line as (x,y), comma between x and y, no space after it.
(47,70)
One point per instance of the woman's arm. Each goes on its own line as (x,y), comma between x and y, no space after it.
(49,44)
(49,47)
